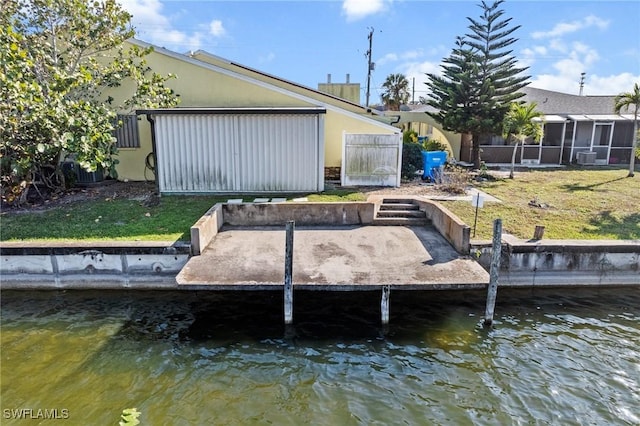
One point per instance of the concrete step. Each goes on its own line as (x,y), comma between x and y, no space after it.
(399,206)
(400,213)
(397,201)
(400,221)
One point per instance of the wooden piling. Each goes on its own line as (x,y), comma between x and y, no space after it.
(384,304)
(494,272)
(538,233)
(288,274)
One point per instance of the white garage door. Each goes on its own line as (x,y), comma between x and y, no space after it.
(257,150)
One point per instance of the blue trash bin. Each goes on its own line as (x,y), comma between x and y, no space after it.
(433,163)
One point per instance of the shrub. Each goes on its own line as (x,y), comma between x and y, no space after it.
(454,180)
(409,136)
(411,159)
(435,145)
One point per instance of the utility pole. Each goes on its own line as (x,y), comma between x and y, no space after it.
(581,82)
(413,92)
(370,66)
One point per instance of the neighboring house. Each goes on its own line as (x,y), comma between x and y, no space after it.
(238,129)
(577,129)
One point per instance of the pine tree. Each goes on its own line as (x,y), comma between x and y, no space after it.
(479,79)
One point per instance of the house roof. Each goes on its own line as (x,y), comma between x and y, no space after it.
(203,55)
(319,99)
(556,103)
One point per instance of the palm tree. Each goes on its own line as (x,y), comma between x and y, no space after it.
(521,122)
(396,91)
(626,101)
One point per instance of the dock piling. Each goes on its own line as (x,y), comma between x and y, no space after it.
(494,272)
(384,304)
(288,274)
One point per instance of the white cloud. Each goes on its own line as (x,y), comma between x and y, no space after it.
(412,54)
(563,28)
(216,28)
(594,85)
(409,55)
(419,70)
(388,58)
(267,58)
(153,26)
(610,85)
(358,9)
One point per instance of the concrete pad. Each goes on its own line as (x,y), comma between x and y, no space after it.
(235,201)
(333,258)
(261,200)
(278,200)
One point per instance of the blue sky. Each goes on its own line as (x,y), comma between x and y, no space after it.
(303,41)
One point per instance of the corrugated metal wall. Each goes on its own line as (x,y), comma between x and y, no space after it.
(370,159)
(199,153)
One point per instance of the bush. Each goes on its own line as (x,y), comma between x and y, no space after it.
(455,180)
(435,145)
(411,159)
(409,136)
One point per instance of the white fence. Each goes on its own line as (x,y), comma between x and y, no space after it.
(371,159)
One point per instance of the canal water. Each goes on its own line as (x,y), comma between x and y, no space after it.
(561,357)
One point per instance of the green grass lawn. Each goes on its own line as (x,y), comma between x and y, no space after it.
(571,204)
(102,220)
(128,220)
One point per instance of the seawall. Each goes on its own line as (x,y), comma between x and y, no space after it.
(154,265)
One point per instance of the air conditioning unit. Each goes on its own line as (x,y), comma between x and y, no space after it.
(81,176)
(586,158)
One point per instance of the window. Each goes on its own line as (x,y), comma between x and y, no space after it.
(126,132)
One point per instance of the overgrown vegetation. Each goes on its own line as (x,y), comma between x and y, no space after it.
(61,60)
(455,180)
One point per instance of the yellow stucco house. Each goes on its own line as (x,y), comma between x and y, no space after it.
(215,88)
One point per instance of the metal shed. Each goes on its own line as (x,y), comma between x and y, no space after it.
(238,150)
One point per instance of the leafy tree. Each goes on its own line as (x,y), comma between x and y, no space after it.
(479,79)
(396,91)
(625,101)
(521,122)
(61,58)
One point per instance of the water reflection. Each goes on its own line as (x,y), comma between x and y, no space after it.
(226,358)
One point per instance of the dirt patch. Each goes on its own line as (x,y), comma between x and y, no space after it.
(108,189)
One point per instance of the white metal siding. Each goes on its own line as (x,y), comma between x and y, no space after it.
(239,152)
(371,159)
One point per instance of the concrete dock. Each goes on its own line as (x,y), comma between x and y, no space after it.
(346,258)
